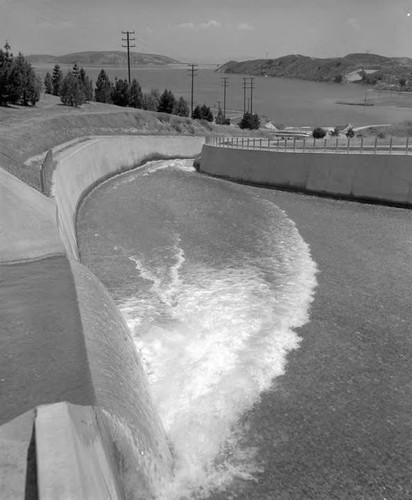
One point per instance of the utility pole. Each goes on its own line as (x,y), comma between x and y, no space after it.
(192,73)
(225,83)
(128,39)
(252,86)
(244,94)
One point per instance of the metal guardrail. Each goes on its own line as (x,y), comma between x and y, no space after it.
(309,145)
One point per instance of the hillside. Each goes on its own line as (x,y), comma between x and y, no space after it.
(316,69)
(99,58)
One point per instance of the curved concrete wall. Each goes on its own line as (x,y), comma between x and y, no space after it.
(385,178)
(106,371)
(82,166)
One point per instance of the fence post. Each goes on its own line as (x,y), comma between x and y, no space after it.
(260,143)
(277,145)
(348,148)
(336,144)
(390,146)
(248,143)
(268,143)
(294,143)
(304,144)
(324,146)
(376,144)
(314,144)
(286,144)
(407,145)
(361,145)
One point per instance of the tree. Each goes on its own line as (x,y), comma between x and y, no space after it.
(206,113)
(120,93)
(72,91)
(27,86)
(8,83)
(350,133)
(104,88)
(167,102)
(136,95)
(196,115)
(319,133)
(150,101)
(86,83)
(57,79)
(220,118)
(249,121)
(181,108)
(48,84)
(202,113)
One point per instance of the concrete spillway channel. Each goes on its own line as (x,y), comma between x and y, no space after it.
(76,418)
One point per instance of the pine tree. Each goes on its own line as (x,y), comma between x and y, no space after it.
(120,93)
(28,87)
(202,113)
(87,84)
(182,108)
(48,84)
(103,89)
(9,93)
(167,102)
(206,113)
(57,79)
(136,95)
(72,91)
(196,115)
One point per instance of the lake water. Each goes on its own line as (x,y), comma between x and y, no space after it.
(290,102)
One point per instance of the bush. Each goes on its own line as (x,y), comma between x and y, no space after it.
(350,133)
(334,132)
(249,121)
(319,133)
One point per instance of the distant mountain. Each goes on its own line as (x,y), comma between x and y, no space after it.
(316,69)
(103,58)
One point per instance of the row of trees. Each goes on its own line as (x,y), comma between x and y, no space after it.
(19,83)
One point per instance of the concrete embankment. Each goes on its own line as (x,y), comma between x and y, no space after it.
(379,178)
(65,340)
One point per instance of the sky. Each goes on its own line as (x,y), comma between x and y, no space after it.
(210,30)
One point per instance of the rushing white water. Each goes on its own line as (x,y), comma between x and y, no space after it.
(214,332)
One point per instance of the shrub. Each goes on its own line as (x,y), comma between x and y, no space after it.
(319,133)
(350,133)
(334,132)
(167,102)
(249,121)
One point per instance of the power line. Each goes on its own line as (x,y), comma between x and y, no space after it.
(128,40)
(248,86)
(192,73)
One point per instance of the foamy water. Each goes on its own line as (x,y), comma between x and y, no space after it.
(213,335)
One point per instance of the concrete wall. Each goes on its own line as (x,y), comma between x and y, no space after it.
(107,372)
(81,167)
(385,178)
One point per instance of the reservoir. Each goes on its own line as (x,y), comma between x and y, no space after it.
(274,329)
(284,101)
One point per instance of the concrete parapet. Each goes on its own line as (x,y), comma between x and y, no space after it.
(378,178)
(75,458)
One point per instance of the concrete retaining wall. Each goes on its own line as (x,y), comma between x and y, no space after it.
(385,178)
(81,167)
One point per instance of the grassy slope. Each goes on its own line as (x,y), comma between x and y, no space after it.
(26,132)
(100,58)
(316,69)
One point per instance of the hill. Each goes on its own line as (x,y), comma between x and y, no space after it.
(330,69)
(99,58)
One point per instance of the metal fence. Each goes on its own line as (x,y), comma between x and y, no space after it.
(338,145)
